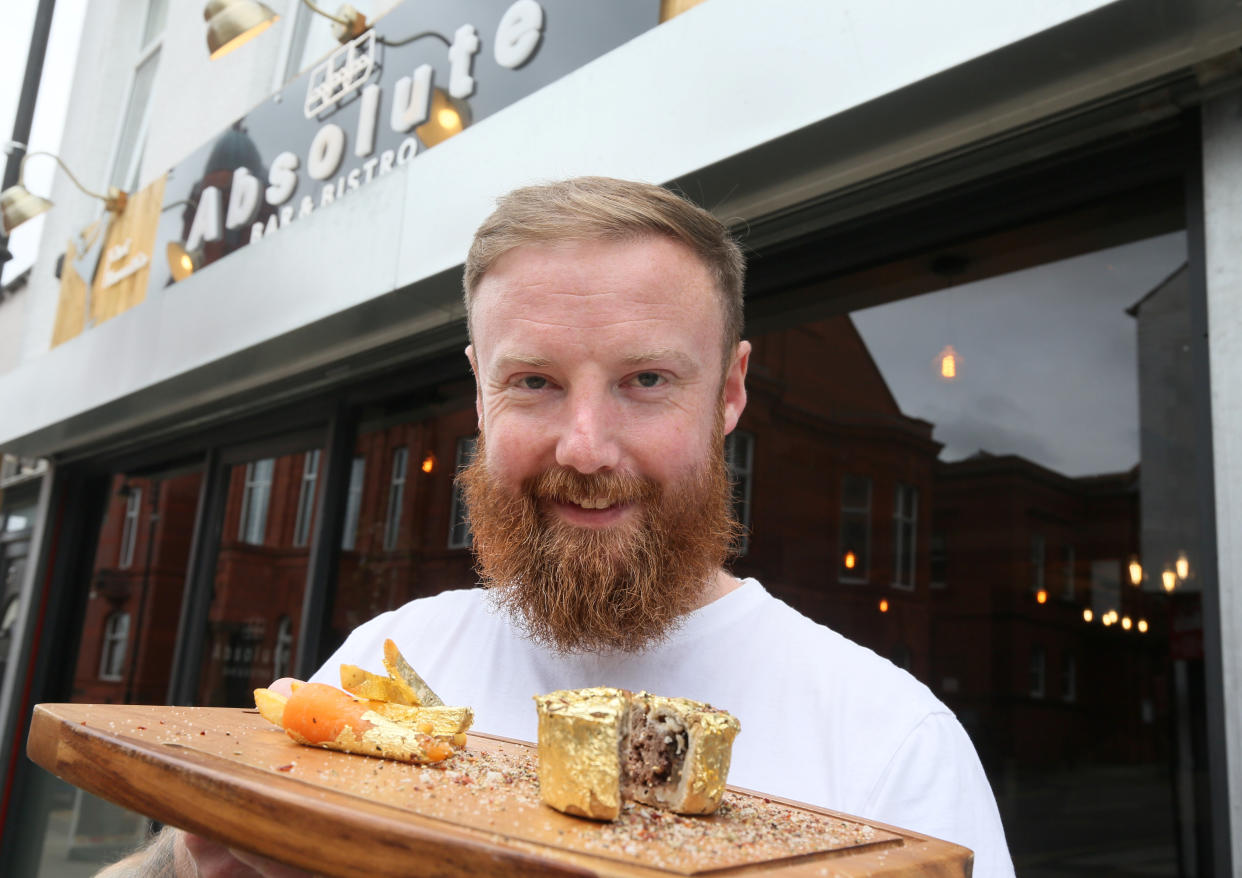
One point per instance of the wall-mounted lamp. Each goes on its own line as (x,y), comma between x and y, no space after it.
(182,262)
(429,463)
(17,204)
(447,116)
(231,23)
(1087,615)
(347,24)
(883,605)
(1136,571)
(1142,626)
(1182,566)
(1169,579)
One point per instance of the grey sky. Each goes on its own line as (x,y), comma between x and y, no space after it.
(1048,363)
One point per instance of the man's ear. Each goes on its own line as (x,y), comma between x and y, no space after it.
(478,385)
(734,390)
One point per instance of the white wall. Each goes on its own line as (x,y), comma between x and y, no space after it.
(1222,183)
(12,325)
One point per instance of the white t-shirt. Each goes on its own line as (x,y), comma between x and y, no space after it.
(824,721)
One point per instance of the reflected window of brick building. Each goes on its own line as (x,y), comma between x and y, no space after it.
(1038,551)
(1067,573)
(256,494)
(1039,668)
(938,561)
(306,499)
(129,530)
(855,528)
(905,520)
(459,531)
(1069,678)
(739,452)
(115,646)
(396,493)
(353,503)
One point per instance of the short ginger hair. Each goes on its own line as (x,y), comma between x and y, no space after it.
(594,208)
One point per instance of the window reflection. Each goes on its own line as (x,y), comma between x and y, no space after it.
(260,576)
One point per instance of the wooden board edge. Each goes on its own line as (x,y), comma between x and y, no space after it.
(212,804)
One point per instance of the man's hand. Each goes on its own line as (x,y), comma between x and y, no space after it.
(174,853)
(212,860)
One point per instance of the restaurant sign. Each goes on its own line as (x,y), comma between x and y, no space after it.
(425,72)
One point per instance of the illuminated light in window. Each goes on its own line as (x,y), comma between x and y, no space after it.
(1183,565)
(1136,572)
(429,463)
(1041,596)
(1087,615)
(947,363)
(1142,626)
(1126,623)
(851,561)
(884,605)
(1169,578)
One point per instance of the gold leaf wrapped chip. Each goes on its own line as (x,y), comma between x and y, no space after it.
(600,746)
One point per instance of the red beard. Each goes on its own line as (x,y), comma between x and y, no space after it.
(600,590)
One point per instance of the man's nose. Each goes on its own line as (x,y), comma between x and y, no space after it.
(588,442)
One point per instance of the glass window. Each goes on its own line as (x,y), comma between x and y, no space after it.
(306,499)
(396,493)
(256,493)
(129,530)
(459,530)
(739,457)
(353,503)
(115,642)
(1069,678)
(131,140)
(248,641)
(905,520)
(855,528)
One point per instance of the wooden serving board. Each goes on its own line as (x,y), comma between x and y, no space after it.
(227,774)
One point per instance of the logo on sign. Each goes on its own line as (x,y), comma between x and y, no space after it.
(341,73)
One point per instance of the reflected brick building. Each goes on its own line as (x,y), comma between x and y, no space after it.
(974,575)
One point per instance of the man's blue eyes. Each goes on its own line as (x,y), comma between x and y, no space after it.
(642,379)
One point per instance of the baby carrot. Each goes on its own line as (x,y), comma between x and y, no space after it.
(319,713)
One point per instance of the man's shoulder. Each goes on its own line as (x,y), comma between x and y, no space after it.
(418,627)
(831,662)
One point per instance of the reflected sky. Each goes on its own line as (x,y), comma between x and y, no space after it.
(1047,358)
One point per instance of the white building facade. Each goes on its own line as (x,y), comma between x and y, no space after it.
(1017,133)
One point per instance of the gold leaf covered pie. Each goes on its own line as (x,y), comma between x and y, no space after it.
(601,746)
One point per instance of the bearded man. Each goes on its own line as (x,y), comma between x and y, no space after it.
(605,320)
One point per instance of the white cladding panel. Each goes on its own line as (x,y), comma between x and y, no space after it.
(1222,183)
(724,78)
